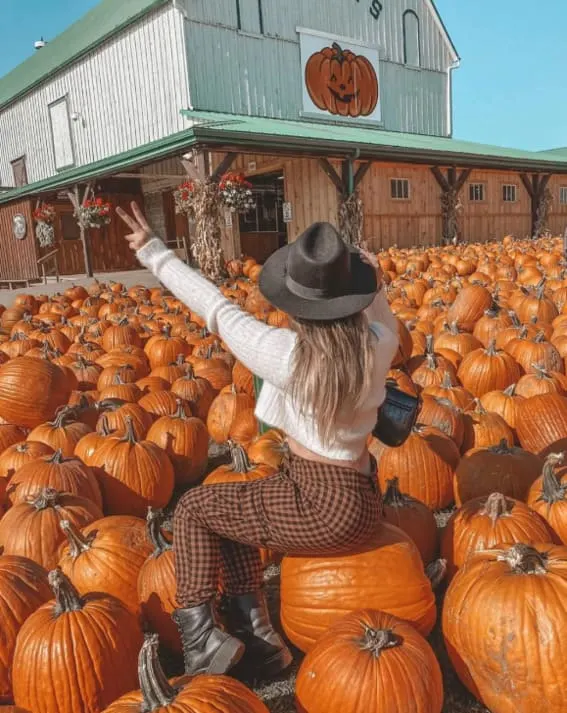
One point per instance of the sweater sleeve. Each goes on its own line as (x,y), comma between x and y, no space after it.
(264,350)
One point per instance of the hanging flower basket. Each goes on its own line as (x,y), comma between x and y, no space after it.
(236,193)
(94,213)
(44,216)
(183,198)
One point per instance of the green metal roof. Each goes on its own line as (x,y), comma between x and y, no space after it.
(103,21)
(264,134)
(230,132)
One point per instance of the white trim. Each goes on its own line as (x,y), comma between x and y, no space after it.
(338,38)
(442,29)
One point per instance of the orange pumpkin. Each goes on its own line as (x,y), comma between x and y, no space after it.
(386,575)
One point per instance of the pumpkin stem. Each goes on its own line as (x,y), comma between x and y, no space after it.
(494,309)
(130,435)
(157,692)
(447,381)
(67,598)
(180,412)
(515,320)
(78,543)
(523,559)
(541,371)
(435,572)
(552,491)
(496,506)
(339,54)
(57,457)
(502,448)
(240,462)
(393,497)
(376,640)
(45,498)
(539,337)
(511,390)
(64,414)
(453,329)
(154,522)
(491,348)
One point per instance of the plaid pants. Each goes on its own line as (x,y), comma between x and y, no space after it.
(307,508)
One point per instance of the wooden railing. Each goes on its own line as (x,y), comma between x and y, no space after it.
(49,261)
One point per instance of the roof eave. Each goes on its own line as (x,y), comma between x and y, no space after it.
(443,29)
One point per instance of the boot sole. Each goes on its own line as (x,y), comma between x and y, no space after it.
(272,667)
(228,655)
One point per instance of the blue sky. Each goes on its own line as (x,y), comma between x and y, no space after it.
(510,89)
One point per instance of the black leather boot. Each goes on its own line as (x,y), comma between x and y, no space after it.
(249,620)
(206,647)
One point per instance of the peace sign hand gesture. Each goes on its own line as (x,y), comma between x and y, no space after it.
(141,231)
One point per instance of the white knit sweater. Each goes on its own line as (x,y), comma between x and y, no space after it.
(267,352)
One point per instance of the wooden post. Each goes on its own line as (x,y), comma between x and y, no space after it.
(83,232)
(536,187)
(451,185)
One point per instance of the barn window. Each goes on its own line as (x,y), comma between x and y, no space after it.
(412,49)
(563,195)
(399,189)
(20,172)
(61,134)
(509,193)
(250,16)
(476,192)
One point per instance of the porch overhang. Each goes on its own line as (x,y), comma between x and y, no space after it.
(233,133)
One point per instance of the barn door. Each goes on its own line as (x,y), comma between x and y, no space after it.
(70,258)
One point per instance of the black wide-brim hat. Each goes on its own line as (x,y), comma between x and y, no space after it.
(318,277)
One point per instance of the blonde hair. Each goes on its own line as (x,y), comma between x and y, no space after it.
(332,367)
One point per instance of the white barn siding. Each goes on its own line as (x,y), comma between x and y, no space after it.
(249,73)
(129,92)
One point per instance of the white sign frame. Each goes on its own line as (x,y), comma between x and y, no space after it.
(312,41)
(287,210)
(61,136)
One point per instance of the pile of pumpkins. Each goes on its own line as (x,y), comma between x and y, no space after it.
(109,400)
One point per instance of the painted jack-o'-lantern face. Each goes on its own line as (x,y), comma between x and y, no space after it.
(340,82)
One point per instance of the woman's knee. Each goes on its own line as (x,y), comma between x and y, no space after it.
(190,503)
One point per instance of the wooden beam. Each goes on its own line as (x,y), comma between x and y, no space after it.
(224,165)
(544,180)
(527,184)
(332,175)
(361,172)
(461,180)
(440,178)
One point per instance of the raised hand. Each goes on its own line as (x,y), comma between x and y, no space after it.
(141,231)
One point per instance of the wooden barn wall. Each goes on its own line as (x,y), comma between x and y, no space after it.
(416,221)
(494,218)
(18,258)
(388,221)
(557,220)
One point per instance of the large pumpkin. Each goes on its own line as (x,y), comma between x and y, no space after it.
(31,391)
(485,370)
(223,412)
(504,469)
(504,621)
(469,306)
(386,575)
(157,585)
(106,560)
(485,522)
(19,454)
(75,655)
(23,588)
(341,82)
(361,664)
(66,475)
(31,529)
(186,441)
(197,694)
(133,474)
(424,464)
(63,433)
(542,424)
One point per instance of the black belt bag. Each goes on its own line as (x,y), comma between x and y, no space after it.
(396,417)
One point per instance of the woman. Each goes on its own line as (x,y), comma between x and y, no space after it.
(324,380)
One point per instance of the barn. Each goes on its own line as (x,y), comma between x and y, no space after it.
(329,108)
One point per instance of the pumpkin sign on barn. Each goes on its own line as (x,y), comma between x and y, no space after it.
(340,78)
